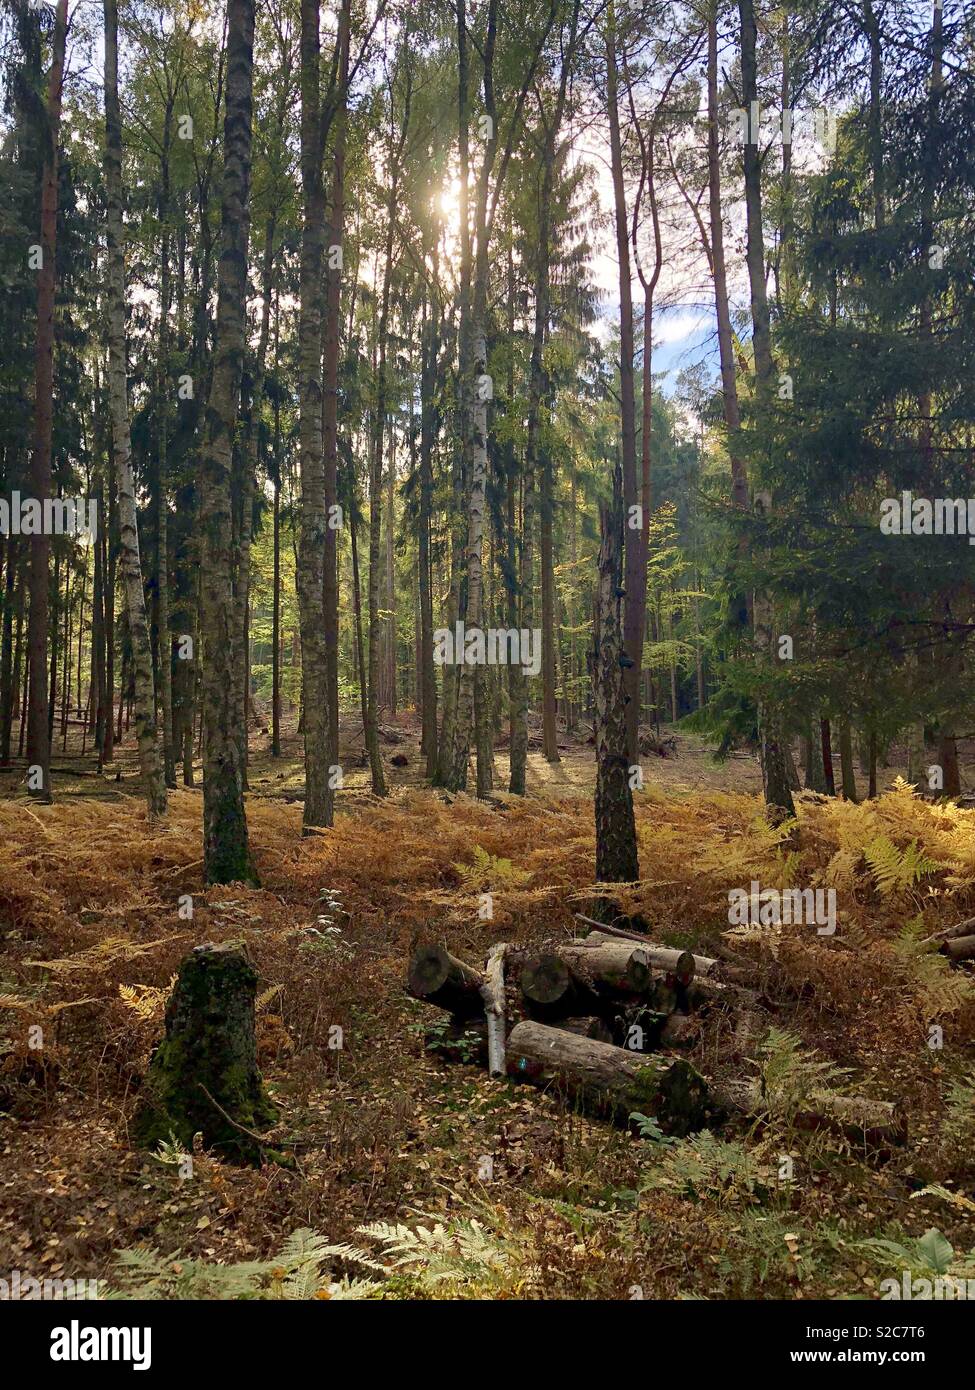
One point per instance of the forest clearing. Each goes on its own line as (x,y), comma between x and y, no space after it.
(486,600)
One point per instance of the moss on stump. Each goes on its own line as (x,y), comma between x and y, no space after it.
(203,1076)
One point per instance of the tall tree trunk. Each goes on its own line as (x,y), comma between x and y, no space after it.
(319,795)
(390,680)
(38,736)
(276,577)
(111,559)
(357,619)
(97,684)
(333,307)
(254,389)
(376,502)
(429,351)
(458,682)
(225,848)
(847,773)
(775,777)
(616,847)
(814,771)
(13,611)
(635,578)
(538,462)
(827,749)
(150,759)
(162,500)
(729,382)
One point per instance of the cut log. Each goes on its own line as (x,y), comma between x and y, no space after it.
(703,965)
(965,928)
(439,978)
(610,1080)
(680,1030)
(683,965)
(203,1076)
(592,1027)
(714,992)
(492,992)
(609,967)
(960,948)
(551,991)
(874,1123)
(575,980)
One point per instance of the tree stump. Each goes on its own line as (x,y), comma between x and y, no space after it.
(203,1076)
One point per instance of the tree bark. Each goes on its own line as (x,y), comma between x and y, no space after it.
(429,351)
(225,848)
(164,635)
(203,1077)
(610,1079)
(38,731)
(319,795)
(150,760)
(775,778)
(847,772)
(330,439)
(616,846)
(635,555)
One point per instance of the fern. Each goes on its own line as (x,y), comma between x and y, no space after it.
(145,1000)
(264,998)
(958,1125)
(941,990)
(956,1199)
(705,1168)
(462,1254)
(895,870)
(489,872)
(109,951)
(791,1073)
(296,1272)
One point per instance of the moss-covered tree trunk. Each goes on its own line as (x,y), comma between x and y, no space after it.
(203,1076)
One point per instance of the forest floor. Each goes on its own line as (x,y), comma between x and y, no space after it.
(383,1131)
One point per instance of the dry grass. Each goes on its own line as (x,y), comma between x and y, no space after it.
(90,912)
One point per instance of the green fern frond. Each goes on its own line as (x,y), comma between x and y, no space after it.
(895,870)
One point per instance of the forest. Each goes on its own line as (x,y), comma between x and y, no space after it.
(487,793)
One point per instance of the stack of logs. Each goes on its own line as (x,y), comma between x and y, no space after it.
(596,1017)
